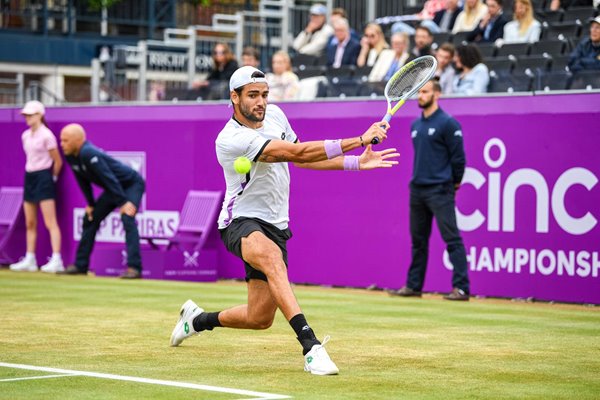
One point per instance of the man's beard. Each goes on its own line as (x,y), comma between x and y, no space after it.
(427,104)
(250,116)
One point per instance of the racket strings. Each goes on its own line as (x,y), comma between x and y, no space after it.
(405,82)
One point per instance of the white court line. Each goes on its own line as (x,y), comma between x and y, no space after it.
(255,395)
(35,377)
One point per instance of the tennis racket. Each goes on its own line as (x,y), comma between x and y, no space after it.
(405,83)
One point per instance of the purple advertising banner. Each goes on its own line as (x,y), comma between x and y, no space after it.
(528,208)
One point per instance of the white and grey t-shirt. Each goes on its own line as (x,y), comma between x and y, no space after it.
(264,192)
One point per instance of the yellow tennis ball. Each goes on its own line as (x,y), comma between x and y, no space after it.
(242,165)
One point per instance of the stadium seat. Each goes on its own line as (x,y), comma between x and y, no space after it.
(554,80)
(582,14)
(304,71)
(549,15)
(552,47)
(487,50)
(441,38)
(501,64)
(560,63)
(342,87)
(559,30)
(197,219)
(343,72)
(533,63)
(516,49)
(510,83)
(304,59)
(362,73)
(371,89)
(11,206)
(585,80)
(460,37)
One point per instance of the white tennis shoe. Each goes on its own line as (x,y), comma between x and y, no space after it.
(54,265)
(185,327)
(27,264)
(317,361)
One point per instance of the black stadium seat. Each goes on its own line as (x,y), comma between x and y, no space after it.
(582,14)
(516,49)
(304,59)
(500,64)
(459,37)
(554,80)
(560,63)
(487,50)
(552,47)
(308,71)
(517,82)
(549,16)
(585,80)
(533,63)
(558,30)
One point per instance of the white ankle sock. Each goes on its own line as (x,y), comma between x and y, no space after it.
(30,256)
(56,256)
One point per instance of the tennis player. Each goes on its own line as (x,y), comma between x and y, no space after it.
(254,219)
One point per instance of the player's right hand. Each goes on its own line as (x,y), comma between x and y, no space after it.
(89,211)
(376,130)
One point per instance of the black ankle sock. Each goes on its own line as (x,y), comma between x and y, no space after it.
(206,321)
(304,333)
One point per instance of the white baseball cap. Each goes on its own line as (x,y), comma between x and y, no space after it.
(245,75)
(596,20)
(318,9)
(33,107)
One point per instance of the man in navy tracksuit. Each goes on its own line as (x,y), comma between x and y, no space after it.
(438,169)
(123,189)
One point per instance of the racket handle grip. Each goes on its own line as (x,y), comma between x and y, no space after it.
(387,119)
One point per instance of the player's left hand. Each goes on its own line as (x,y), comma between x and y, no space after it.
(128,209)
(370,159)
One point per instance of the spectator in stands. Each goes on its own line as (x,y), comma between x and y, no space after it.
(445,18)
(283,83)
(474,75)
(491,27)
(423,42)
(445,70)
(586,55)
(215,85)
(425,16)
(42,167)
(523,28)
(250,57)
(158,90)
(339,13)
(372,44)
(392,59)
(472,13)
(313,39)
(346,49)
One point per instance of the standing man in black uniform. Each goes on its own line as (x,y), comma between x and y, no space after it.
(438,169)
(123,189)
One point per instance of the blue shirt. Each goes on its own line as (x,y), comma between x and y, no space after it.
(439,151)
(92,165)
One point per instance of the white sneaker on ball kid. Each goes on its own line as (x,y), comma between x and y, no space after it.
(317,361)
(185,327)
(54,265)
(27,264)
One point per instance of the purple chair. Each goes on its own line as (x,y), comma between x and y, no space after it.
(11,208)
(196,220)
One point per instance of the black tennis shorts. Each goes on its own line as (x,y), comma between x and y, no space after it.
(39,186)
(242,227)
